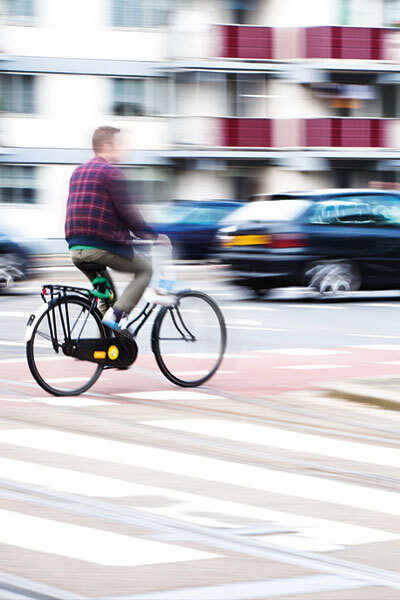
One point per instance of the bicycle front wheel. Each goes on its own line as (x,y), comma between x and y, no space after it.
(52,368)
(189,339)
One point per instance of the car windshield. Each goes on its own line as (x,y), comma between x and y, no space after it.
(269,210)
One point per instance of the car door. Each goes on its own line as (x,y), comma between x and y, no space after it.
(338,228)
(362,228)
(384,266)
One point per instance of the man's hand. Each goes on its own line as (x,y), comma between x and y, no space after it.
(163,239)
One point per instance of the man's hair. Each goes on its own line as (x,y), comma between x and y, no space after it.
(101,136)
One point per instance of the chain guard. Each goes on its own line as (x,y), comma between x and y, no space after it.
(119,352)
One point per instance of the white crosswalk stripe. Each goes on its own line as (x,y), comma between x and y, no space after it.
(200,467)
(104,547)
(286,439)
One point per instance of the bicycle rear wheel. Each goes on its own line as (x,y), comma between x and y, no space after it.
(189,339)
(55,371)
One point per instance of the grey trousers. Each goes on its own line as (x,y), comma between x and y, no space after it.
(139,266)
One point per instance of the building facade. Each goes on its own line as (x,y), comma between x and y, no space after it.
(216,98)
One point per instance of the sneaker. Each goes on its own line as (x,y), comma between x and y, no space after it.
(115,319)
(154,297)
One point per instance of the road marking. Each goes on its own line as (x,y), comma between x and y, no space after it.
(240,322)
(170,395)
(312,306)
(60,380)
(319,534)
(12,313)
(12,343)
(285,439)
(374,335)
(89,544)
(206,355)
(247,328)
(388,362)
(257,308)
(23,344)
(72,401)
(395,347)
(312,367)
(183,373)
(305,351)
(209,469)
(251,590)
(10,399)
(65,480)
(379,304)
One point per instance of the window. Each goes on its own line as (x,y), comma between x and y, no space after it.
(149,186)
(17,93)
(374,210)
(18,185)
(19,12)
(247,96)
(391,12)
(141,13)
(140,97)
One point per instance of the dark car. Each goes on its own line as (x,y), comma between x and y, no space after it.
(329,240)
(14,260)
(192,225)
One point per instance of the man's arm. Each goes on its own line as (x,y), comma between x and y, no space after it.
(124,204)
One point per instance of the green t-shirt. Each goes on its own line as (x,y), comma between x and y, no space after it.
(83,248)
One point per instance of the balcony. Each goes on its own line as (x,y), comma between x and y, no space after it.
(346,133)
(326,42)
(246,133)
(357,43)
(253,133)
(246,41)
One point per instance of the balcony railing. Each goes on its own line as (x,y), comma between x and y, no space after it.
(346,133)
(257,133)
(246,133)
(325,42)
(244,41)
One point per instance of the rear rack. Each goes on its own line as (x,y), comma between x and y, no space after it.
(101,289)
(64,288)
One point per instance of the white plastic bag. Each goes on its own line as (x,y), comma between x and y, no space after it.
(163,268)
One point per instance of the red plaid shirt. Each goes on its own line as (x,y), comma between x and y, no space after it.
(100,211)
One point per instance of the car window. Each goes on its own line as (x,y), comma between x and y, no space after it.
(269,210)
(367,210)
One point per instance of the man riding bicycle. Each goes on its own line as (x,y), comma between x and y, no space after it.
(100,218)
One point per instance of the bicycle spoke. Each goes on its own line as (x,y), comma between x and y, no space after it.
(194,363)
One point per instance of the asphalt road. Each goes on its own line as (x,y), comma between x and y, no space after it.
(258,485)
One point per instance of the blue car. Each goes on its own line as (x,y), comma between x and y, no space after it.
(192,225)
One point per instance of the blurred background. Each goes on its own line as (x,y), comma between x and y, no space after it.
(219,100)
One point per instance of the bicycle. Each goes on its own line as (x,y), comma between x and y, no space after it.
(67,332)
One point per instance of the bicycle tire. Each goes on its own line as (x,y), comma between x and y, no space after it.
(30,348)
(155,340)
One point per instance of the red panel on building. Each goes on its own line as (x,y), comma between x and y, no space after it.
(345,133)
(242,41)
(353,43)
(246,133)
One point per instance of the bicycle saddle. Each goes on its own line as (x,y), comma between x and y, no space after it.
(89,266)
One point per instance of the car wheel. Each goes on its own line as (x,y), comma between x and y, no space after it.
(329,278)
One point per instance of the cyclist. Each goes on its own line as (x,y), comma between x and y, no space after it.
(100,218)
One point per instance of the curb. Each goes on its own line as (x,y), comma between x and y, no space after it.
(365,393)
